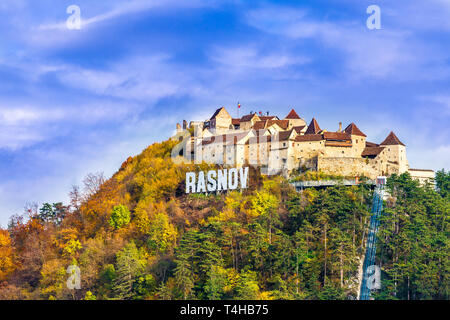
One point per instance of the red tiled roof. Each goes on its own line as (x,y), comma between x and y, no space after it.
(332,143)
(336,136)
(284,135)
(292,115)
(283,124)
(371,144)
(391,139)
(235,121)
(309,137)
(313,127)
(260,125)
(371,151)
(248,117)
(299,129)
(264,118)
(354,130)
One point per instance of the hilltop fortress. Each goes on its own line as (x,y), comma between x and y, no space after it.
(281,146)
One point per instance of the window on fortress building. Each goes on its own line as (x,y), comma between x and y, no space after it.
(342,151)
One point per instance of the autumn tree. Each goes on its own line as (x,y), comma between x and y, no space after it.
(120,217)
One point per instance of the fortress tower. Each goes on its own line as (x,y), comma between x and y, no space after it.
(396,153)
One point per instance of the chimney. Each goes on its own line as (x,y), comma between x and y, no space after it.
(178,127)
(184,124)
(340,127)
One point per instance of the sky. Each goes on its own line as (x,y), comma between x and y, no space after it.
(75,101)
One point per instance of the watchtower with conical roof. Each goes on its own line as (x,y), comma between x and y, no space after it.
(358,139)
(395,152)
(313,127)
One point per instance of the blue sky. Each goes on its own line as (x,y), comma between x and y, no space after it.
(80,101)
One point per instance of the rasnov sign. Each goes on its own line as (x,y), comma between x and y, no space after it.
(226,179)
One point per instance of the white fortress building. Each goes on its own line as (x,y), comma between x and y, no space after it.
(280,146)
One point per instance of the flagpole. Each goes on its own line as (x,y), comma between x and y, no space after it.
(238,107)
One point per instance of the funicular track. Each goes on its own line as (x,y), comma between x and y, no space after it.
(369,260)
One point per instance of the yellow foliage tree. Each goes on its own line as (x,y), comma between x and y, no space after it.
(162,233)
(6,255)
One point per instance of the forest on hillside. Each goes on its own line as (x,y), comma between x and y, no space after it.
(138,235)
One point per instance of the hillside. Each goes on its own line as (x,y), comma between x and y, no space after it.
(138,235)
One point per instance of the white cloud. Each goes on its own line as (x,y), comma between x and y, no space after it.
(442,100)
(251,57)
(430,158)
(126,8)
(16,116)
(24,126)
(391,52)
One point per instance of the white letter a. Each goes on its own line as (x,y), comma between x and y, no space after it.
(74,21)
(374,21)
